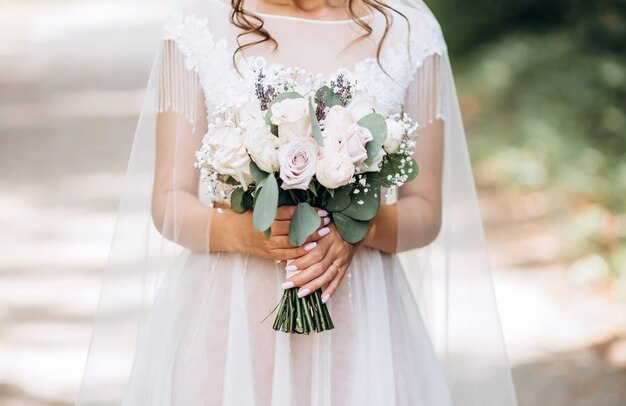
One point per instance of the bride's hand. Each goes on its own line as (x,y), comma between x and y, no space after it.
(277,247)
(326,264)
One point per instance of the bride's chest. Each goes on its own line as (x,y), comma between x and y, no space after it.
(227,76)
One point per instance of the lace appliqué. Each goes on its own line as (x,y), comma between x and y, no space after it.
(411,70)
(192,57)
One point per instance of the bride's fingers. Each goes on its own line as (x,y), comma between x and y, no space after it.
(332,272)
(320,264)
(286,254)
(314,255)
(285,212)
(329,291)
(280,227)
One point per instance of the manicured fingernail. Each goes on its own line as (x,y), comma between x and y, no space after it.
(303,292)
(324,231)
(287,285)
(291,268)
(325,298)
(322,213)
(326,221)
(310,246)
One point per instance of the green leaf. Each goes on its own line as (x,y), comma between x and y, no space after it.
(363,206)
(232,181)
(351,230)
(236,200)
(339,200)
(248,200)
(284,198)
(330,98)
(279,98)
(315,125)
(268,233)
(392,164)
(257,174)
(266,204)
(304,222)
(311,187)
(412,169)
(377,126)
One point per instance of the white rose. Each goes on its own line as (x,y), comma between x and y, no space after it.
(261,145)
(361,105)
(331,147)
(334,171)
(395,134)
(229,155)
(374,166)
(353,143)
(292,118)
(298,162)
(337,121)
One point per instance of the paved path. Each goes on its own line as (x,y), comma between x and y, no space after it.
(70,89)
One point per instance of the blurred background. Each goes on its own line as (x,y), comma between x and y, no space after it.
(543,91)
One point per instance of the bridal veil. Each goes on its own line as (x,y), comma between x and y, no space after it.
(163,214)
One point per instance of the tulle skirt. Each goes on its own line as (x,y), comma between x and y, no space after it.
(207,340)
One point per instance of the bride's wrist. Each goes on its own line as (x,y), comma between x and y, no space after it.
(242,231)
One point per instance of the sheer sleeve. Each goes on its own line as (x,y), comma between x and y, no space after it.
(419,201)
(177,211)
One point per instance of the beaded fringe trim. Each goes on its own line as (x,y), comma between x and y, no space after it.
(426,96)
(178,86)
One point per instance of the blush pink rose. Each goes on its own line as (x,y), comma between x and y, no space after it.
(298,163)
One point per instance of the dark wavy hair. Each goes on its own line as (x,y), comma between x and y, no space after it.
(252,24)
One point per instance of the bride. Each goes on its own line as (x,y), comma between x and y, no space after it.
(190,282)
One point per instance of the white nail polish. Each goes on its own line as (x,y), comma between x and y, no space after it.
(287,285)
(310,246)
(291,268)
(325,298)
(322,213)
(303,292)
(326,221)
(324,231)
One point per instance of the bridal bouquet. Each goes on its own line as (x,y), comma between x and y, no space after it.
(328,147)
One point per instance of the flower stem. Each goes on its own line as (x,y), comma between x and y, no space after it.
(302,315)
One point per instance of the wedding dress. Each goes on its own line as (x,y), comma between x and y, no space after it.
(178,325)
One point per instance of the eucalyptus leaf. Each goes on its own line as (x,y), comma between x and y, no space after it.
(363,206)
(284,198)
(412,169)
(236,200)
(231,181)
(311,187)
(304,222)
(351,230)
(377,126)
(257,174)
(266,204)
(315,125)
(392,165)
(340,199)
(330,98)
(248,201)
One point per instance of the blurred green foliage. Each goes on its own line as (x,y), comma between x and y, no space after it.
(543,89)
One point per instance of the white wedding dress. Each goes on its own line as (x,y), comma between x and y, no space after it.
(178,325)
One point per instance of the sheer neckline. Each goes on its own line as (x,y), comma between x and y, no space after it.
(301,19)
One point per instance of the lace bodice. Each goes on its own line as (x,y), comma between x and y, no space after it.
(207,53)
